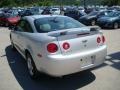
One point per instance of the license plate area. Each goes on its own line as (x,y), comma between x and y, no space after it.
(87,61)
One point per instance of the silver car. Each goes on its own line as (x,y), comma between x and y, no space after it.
(58,45)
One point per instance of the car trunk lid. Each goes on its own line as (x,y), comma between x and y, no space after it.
(77,39)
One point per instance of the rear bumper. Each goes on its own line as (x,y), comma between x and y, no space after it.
(60,65)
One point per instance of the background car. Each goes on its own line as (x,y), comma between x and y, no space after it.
(13,11)
(55,11)
(46,11)
(89,9)
(112,20)
(9,19)
(91,18)
(74,13)
(28,12)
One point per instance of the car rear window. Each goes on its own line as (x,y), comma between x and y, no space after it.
(113,14)
(49,24)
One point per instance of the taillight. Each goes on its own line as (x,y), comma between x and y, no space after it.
(66,45)
(98,40)
(103,39)
(52,48)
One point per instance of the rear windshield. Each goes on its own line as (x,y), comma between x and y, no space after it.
(113,14)
(56,23)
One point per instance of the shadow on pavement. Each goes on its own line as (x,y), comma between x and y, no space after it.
(114,58)
(70,82)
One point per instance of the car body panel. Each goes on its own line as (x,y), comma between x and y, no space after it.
(84,52)
(12,20)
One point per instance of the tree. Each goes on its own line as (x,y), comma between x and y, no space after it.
(111,2)
(9,3)
(77,2)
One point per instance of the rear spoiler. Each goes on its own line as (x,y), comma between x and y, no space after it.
(90,29)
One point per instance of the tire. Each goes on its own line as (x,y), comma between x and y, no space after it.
(33,72)
(93,22)
(115,25)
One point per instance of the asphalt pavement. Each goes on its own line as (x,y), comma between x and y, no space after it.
(14,74)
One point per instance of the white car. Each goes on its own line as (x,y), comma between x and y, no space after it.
(55,11)
(58,45)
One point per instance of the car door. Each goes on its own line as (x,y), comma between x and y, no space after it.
(25,31)
(17,35)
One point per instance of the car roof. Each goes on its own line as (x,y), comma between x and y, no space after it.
(42,16)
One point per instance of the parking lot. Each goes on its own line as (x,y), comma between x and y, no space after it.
(14,74)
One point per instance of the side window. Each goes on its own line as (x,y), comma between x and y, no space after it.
(20,26)
(24,26)
(27,27)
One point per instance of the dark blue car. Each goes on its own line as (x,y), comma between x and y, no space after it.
(91,18)
(112,20)
(73,13)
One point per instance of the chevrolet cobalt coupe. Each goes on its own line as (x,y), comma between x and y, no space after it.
(58,45)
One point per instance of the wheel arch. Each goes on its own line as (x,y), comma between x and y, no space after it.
(28,49)
(116,21)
